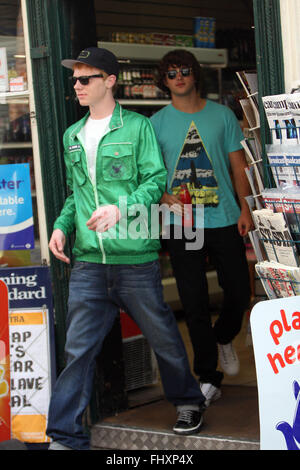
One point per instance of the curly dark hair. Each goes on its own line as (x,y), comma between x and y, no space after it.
(178,58)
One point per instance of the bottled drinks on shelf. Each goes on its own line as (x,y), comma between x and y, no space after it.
(138,83)
(17,130)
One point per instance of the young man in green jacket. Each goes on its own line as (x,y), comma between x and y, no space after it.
(114,169)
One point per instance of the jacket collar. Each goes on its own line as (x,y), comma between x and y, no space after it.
(115,123)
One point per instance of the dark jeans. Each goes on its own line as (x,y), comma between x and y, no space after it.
(226,251)
(96,293)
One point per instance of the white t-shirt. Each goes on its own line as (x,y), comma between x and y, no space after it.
(92,132)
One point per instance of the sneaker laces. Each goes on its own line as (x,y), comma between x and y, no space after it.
(185,415)
(227,351)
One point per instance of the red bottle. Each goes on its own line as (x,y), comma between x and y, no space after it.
(185,197)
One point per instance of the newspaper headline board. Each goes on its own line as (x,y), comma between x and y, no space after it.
(32,352)
(275,326)
(5,418)
(30,374)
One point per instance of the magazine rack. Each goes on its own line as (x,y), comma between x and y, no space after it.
(281,277)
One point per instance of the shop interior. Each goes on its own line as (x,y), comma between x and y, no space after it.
(129,25)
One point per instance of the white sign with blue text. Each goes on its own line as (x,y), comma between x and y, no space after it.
(275,327)
(16,219)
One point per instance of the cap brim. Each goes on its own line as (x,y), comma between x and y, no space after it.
(69,63)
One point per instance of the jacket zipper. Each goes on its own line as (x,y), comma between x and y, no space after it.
(100,239)
(99,236)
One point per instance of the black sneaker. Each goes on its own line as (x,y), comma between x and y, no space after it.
(188,421)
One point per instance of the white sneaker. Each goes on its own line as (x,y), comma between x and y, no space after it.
(57,446)
(228,359)
(210,392)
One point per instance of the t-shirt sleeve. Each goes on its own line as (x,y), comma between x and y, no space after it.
(234,134)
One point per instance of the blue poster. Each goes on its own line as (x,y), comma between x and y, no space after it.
(16,218)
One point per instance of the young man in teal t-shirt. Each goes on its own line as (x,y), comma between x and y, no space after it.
(201,145)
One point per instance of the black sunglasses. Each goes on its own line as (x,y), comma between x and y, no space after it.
(84,80)
(185,72)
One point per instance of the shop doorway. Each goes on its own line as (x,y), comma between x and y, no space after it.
(131,22)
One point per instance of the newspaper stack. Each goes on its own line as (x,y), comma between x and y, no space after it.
(284,161)
(279,280)
(276,236)
(286,201)
(283,117)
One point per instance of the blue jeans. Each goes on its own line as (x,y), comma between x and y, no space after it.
(96,293)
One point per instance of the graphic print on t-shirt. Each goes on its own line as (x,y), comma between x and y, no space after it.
(194,168)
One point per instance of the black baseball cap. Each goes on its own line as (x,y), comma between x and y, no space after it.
(95,57)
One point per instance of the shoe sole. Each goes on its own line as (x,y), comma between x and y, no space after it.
(186,432)
(230,372)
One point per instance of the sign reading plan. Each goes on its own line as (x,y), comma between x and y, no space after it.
(275,327)
(16,220)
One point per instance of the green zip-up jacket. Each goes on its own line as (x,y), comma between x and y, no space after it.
(129,165)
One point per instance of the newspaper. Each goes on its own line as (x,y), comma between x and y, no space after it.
(293,103)
(276,236)
(256,244)
(280,119)
(284,161)
(278,280)
(286,201)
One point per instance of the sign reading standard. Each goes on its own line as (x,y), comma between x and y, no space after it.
(32,360)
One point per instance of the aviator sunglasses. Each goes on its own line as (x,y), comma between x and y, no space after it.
(84,79)
(185,72)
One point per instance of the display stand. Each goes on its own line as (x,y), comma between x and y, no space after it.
(277,221)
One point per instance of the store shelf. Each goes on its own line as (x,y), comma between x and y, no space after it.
(151,52)
(18,97)
(144,102)
(16,145)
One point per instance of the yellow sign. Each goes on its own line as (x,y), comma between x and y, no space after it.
(30,373)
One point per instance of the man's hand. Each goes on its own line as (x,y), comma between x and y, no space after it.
(175,205)
(57,244)
(104,218)
(245,222)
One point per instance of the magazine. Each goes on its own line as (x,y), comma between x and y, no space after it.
(253,185)
(278,280)
(276,236)
(248,80)
(255,160)
(250,105)
(249,113)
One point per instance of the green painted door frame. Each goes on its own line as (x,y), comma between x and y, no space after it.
(49,39)
(269,60)
(59,29)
